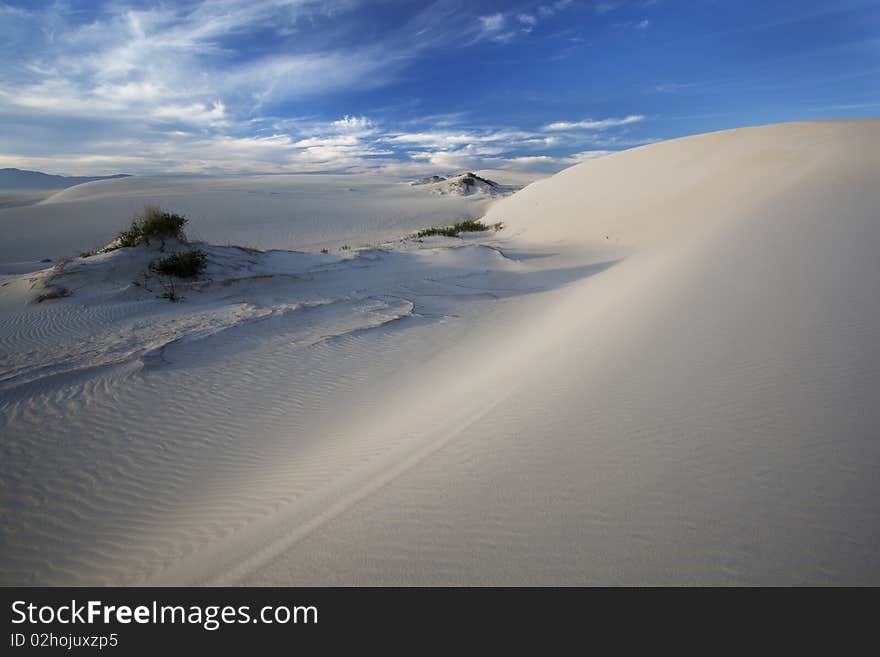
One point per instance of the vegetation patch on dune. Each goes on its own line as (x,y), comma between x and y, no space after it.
(188,264)
(469,226)
(54,292)
(155,224)
(152,223)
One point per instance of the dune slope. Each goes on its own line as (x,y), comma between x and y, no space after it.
(703,412)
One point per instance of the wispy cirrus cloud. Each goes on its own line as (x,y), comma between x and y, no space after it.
(183,56)
(503,27)
(672,87)
(527,22)
(211,86)
(171,86)
(495,27)
(553,8)
(605,7)
(590,124)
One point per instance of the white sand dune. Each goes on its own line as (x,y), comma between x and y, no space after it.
(465,184)
(282,212)
(664,369)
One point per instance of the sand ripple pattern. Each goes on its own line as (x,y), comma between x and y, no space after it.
(136,434)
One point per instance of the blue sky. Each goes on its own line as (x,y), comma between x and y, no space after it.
(409,87)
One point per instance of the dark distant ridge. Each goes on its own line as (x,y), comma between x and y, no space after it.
(18,180)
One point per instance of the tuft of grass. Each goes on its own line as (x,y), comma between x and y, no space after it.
(61,264)
(188,264)
(152,223)
(127,238)
(448,231)
(155,223)
(57,292)
(170,292)
(469,226)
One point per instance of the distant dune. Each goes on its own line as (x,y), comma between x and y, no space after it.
(279,211)
(662,369)
(465,184)
(19,180)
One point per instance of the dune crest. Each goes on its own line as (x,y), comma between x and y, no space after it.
(669,189)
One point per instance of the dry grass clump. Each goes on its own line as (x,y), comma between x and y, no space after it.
(55,292)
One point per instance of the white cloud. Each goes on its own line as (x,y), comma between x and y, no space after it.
(494,28)
(554,8)
(335,141)
(493,23)
(194,113)
(321,147)
(439,139)
(171,56)
(602,124)
(605,7)
(166,88)
(502,28)
(671,87)
(546,163)
(527,22)
(351,123)
(449,151)
(543,160)
(583,156)
(12,11)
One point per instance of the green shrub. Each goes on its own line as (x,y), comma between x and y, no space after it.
(153,223)
(127,238)
(188,264)
(469,226)
(448,231)
(158,224)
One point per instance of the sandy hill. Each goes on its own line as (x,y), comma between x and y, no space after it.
(17,180)
(669,189)
(465,184)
